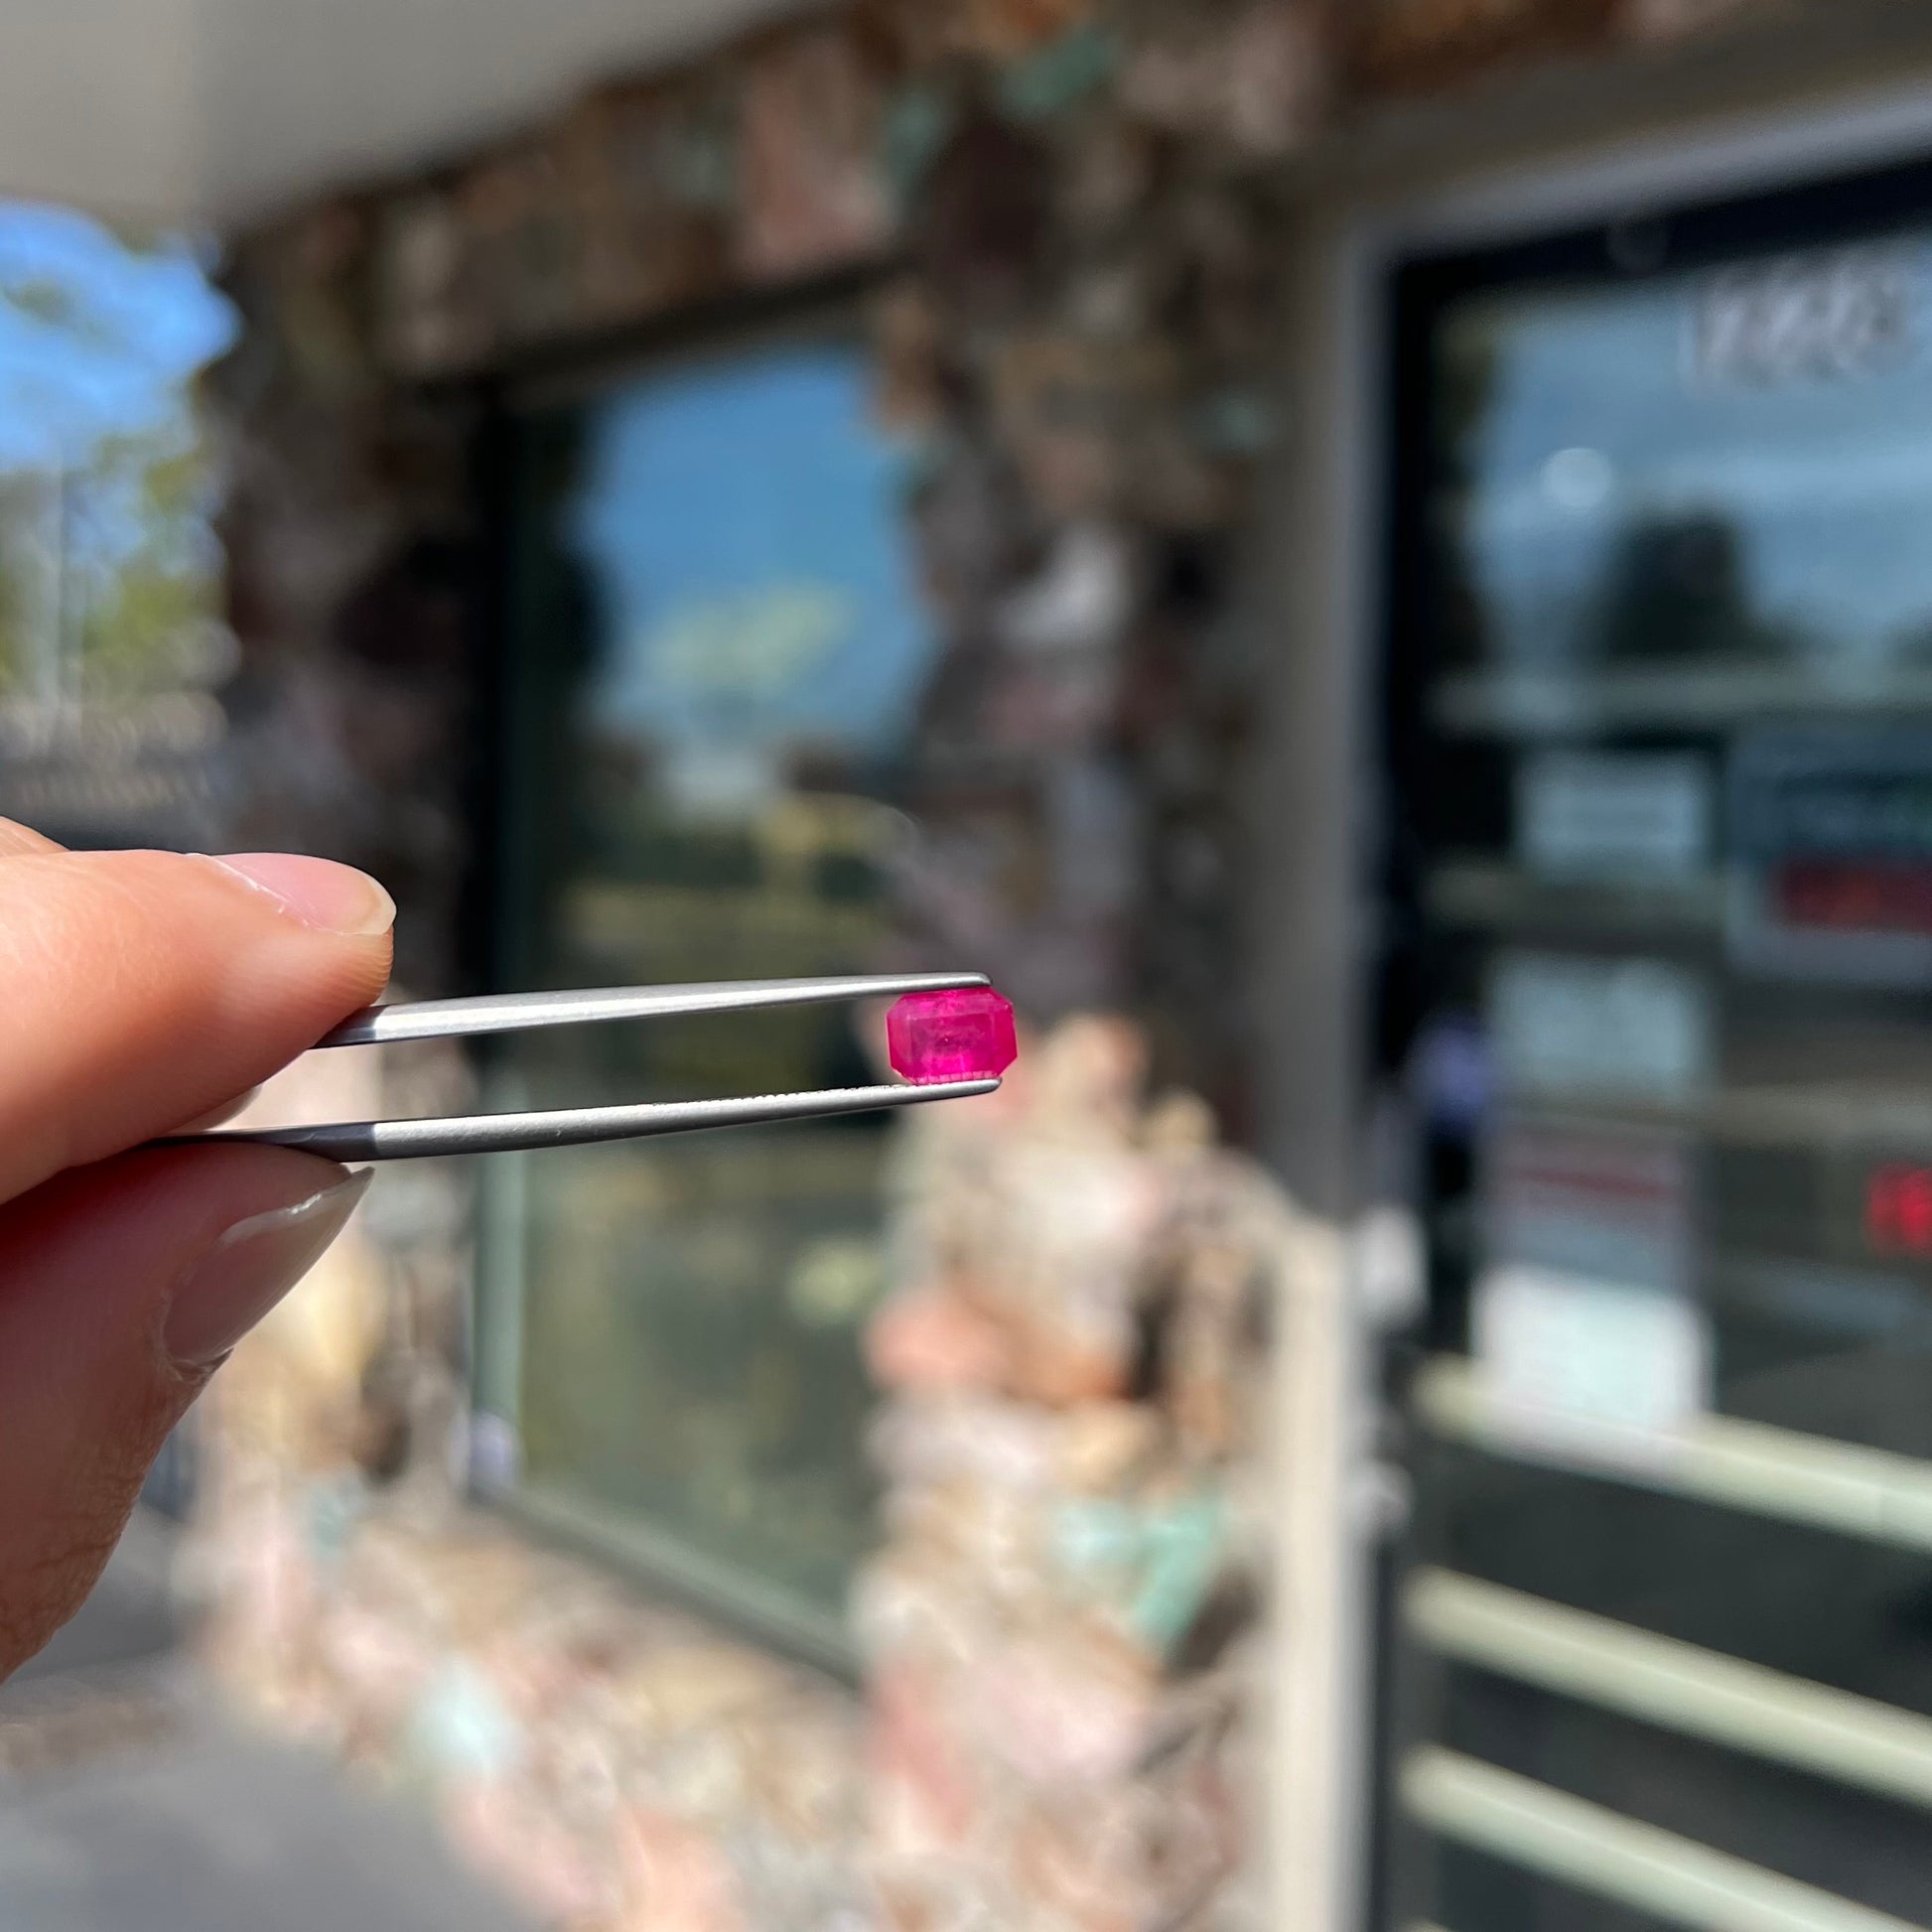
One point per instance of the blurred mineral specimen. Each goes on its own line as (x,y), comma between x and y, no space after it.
(1060,1631)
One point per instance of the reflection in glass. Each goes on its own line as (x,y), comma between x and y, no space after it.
(719,656)
(1615,488)
(111,637)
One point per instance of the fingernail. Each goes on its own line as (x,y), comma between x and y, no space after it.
(253,1264)
(318,892)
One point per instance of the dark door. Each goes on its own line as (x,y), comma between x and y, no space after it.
(1657,1002)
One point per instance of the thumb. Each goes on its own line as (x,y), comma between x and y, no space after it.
(123,1287)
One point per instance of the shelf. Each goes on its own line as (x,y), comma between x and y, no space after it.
(1496,896)
(1639,1866)
(1813,1115)
(1677,1687)
(1571,702)
(1874,1495)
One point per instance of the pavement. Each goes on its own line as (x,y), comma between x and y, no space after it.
(130,1802)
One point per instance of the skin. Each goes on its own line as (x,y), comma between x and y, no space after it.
(141,992)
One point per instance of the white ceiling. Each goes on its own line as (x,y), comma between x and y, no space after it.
(221,110)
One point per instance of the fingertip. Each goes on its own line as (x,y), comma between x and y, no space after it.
(319,892)
(102,1271)
(106,1257)
(253,1263)
(145,988)
(154,1201)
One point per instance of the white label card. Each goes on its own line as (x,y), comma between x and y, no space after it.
(1612,1028)
(1567,1357)
(1598,815)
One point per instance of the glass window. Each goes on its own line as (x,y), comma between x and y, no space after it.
(718,659)
(111,577)
(1675,816)
(1723,471)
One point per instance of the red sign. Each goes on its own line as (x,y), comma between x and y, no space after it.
(1831,829)
(1842,896)
(1898,1209)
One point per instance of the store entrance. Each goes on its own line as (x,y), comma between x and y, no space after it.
(1658,1000)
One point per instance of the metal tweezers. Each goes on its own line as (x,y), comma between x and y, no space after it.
(404,1140)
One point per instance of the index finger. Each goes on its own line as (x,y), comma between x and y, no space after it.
(139,990)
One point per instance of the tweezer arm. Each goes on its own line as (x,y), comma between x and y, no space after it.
(404,1140)
(516,1013)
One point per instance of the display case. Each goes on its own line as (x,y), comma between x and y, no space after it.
(1657,997)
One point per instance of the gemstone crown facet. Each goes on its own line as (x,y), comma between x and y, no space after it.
(966,1035)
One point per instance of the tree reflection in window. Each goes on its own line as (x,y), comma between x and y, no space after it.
(110,579)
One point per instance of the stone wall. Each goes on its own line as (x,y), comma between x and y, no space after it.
(1067,218)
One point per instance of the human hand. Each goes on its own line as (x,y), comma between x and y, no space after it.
(140,992)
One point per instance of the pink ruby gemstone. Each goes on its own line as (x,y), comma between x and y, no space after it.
(961,1036)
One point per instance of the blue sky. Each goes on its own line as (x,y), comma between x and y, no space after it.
(747,525)
(128,328)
